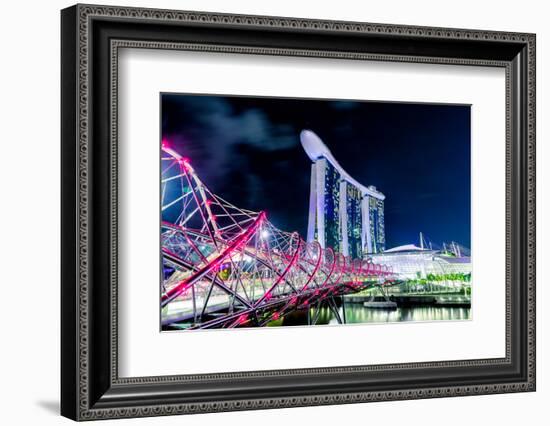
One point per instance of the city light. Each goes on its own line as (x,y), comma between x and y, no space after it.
(226,267)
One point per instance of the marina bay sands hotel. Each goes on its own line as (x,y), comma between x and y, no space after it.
(343,214)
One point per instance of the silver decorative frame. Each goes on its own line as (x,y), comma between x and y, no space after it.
(111,396)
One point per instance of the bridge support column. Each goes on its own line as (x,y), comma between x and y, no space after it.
(344,309)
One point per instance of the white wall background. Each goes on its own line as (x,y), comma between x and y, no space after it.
(29,211)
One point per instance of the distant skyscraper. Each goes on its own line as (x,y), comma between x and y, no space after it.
(343,214)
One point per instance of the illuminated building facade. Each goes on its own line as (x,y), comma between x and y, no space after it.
(412,262)
(343,214)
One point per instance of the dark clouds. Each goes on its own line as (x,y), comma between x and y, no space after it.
(222,131)
(247,150)
(233,149)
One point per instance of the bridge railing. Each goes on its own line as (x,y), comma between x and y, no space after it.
(227,266)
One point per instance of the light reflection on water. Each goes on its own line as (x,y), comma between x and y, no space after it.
(357,314)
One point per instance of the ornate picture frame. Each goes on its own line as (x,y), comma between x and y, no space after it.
(91,37)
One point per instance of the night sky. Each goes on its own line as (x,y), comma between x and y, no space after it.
(248,151)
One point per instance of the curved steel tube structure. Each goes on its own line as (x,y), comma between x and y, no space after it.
(225,267)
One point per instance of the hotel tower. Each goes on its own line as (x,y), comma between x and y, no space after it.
(343,214)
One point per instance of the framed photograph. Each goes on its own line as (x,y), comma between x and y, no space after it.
(263,212)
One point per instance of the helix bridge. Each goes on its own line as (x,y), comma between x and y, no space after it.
(226,267)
